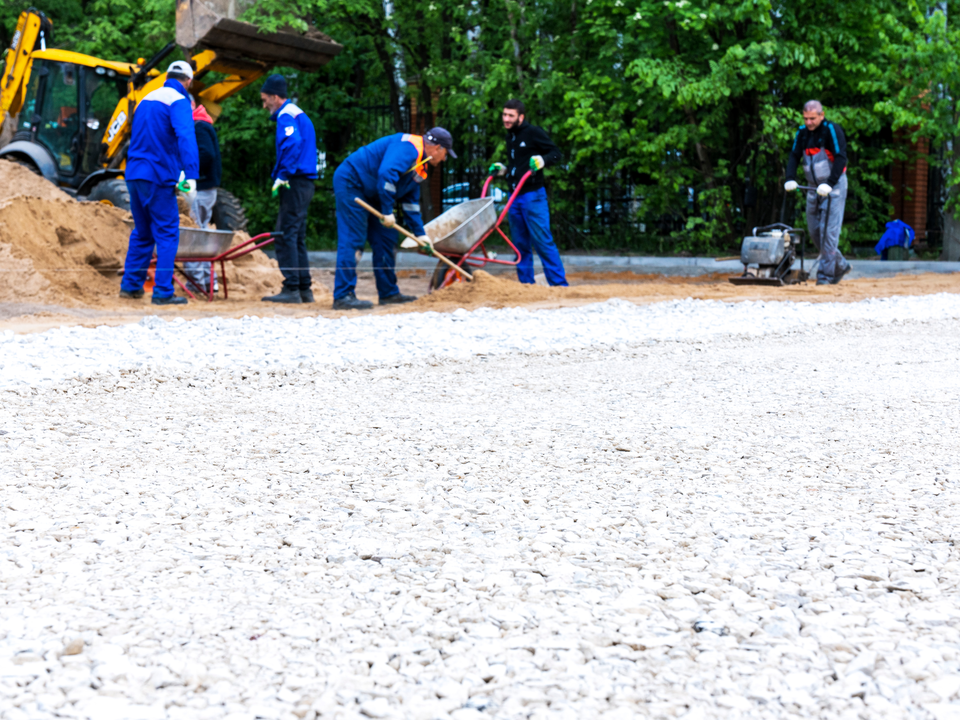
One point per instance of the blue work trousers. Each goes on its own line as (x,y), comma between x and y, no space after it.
(355,227)
(156,221)
(530,230)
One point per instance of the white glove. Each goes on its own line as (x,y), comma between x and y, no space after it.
(498,169)
(823,189)
(537,163)
(790,185)
(409,243)
(277,184)
(389,221)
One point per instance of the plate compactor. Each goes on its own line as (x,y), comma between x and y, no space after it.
(768,253)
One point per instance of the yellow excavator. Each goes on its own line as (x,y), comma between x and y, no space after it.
(74,112)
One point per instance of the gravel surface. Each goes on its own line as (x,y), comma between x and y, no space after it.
(284,343)
(733,523)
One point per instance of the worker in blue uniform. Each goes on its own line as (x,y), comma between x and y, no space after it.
(162,158)
(530,148)
(293,180)
(385,172)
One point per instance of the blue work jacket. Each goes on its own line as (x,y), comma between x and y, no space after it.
(163,141)
(391,170)
(296,144)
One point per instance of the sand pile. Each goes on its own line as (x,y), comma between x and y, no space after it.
(16,180)
(255,275)
(55,250)
(60,251)
(487,290)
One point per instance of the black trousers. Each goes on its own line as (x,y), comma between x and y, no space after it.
(292,222)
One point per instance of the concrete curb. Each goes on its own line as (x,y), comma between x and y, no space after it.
(678,266)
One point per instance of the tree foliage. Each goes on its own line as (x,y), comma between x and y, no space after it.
(675,117)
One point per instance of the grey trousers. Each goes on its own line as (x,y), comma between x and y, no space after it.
(825,230)
(202,211)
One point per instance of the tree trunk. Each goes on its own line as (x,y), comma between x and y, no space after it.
(518,60)
(951,227)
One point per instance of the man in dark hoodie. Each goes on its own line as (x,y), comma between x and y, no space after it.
(205,198)
(530,148)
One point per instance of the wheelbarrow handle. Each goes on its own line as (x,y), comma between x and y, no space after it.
(403,231)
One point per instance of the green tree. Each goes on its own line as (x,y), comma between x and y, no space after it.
(918,92)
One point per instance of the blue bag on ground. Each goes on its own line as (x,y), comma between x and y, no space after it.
(897,234)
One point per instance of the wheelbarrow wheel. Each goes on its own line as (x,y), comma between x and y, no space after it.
(444,276)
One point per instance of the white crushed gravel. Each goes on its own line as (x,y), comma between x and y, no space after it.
(720,525)
(276,343)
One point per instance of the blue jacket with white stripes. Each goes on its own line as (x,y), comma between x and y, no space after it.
(296,144)
(163,141)
(383,169)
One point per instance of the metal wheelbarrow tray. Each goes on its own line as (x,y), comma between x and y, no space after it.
(212,246)
(460,234)
(200,243)
(456,230)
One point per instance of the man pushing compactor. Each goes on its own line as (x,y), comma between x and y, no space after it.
(822,147)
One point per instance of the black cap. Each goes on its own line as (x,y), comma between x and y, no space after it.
(439,136)
(275,85)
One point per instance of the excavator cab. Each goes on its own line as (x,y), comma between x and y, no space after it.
(66,110)
(75,112)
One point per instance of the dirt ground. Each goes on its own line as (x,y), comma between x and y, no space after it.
(59,262)
(487,291)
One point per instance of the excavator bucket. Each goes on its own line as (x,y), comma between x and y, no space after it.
(212,24)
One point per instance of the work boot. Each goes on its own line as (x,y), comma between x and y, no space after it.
(839,276)
(306,295)
(397,299)
(172,300)
(350,302)
(291,297)
(131,294)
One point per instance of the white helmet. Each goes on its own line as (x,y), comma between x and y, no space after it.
(181,68)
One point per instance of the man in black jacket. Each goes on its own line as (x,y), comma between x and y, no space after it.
(530,148)
(211,170)
(822,147)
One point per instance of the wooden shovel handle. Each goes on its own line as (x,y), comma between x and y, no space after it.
(403,231)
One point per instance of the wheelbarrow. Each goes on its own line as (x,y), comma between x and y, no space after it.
(460,235)
(213,246)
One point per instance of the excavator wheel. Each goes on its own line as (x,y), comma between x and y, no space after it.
(111,192)
(228,213)
(27,164)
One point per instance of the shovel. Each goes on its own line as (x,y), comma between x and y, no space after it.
(425,245)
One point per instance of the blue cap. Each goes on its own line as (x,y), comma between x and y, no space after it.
(275,85)
(441,137)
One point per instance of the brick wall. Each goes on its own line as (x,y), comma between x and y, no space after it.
(909,180)
(431,201)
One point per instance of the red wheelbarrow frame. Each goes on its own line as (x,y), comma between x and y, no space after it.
(244,248)
(468,259)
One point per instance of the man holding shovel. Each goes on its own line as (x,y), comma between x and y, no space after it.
(385,172)
(822,147)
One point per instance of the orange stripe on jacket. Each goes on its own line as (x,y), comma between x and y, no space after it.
(417,141)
